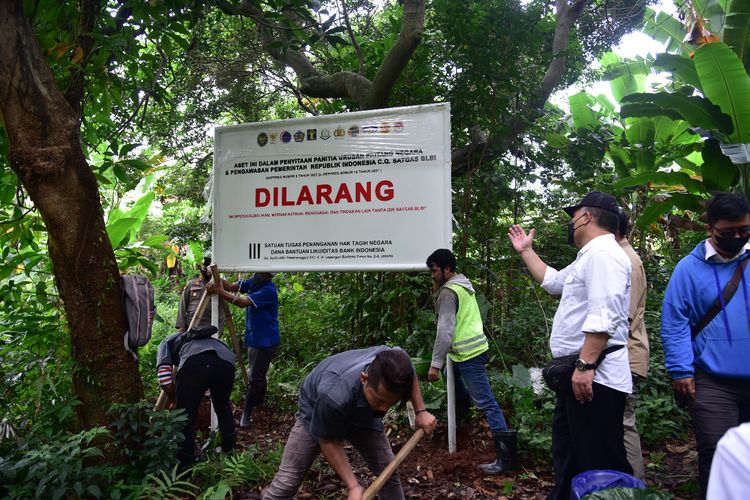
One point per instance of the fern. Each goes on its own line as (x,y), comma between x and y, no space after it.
(218,491)
(238,468)
(172,485)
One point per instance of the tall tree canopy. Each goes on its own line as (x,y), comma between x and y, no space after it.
(82,85)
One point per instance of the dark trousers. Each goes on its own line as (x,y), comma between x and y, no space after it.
(301,450)
(587,436)
(203,371)
(258,360)
(719,404)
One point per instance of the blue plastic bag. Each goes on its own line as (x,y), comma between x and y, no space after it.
(597,480)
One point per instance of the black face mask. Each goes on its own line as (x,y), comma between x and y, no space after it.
(730,246)
(572,231)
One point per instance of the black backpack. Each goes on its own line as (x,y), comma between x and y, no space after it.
(188,336)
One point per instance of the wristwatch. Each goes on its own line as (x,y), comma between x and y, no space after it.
(581,365)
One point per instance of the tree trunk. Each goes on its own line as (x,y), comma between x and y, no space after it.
(45,152)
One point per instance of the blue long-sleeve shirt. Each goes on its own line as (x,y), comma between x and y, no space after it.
(722,348)
(262,318)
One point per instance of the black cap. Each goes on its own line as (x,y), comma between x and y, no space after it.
(596,199)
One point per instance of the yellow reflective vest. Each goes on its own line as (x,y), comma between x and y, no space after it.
(469,339)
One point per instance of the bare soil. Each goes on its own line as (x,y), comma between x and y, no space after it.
(430,472)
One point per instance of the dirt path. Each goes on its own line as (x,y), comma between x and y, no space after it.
(430,472)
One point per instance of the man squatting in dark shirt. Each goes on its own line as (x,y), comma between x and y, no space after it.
(344,398)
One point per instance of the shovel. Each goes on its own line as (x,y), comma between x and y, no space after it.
(376,485)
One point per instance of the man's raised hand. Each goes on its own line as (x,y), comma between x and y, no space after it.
(519,239)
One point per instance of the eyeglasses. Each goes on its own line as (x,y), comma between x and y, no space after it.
(743,232)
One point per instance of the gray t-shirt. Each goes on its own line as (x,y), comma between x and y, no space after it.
(331,401)
(166,356)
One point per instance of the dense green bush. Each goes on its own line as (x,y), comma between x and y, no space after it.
(242,468)
(35,361)
(148,440)
(58,467)
(96,463)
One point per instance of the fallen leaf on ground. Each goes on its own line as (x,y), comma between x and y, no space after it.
(678,448)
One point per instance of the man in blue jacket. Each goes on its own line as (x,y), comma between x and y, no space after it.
(710,367)
(262,338)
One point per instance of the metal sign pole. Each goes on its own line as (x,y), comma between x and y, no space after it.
(215,322)
(451,406)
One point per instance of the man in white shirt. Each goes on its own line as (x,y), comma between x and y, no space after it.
(587,430)
(730,469)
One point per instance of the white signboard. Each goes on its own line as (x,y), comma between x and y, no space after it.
(358,191)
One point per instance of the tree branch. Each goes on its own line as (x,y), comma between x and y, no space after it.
(353,38)
(567,14)
(398,57)
(342,84)
(87,21)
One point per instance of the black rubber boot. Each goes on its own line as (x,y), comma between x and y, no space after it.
(505,454)
(256,391)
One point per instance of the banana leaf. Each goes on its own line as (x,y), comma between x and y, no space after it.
(737,30)
(687,166)
(640,134)
(718,171)
(697,111)
(677,180)
(666,129)
(627,83)
(123,226)
(627,68)
(624,164)
(727,85)
(583,116)
(712,11)
(666,29)
(607,106)
(683,68)
(738,153)
(656,209)
(119,230)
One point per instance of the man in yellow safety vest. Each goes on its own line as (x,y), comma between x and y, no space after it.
(460,335)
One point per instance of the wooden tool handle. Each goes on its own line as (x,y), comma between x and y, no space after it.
(230,327)
(370,492)
(235,342)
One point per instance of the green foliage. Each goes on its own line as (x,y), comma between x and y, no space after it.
(35,362)
(628,494)
(57,468)
(695,110)
(718,172)
(181,222)
(726,83)
(249,467)
(682,69)
(171,485)
(148,439)
(719,73)
(528,412)
(166,298)
(97,463)
(666,29)
(737,30)
(164,72)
